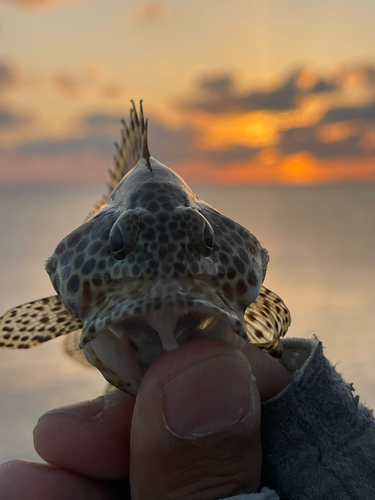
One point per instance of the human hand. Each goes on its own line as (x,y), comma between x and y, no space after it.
(192,432)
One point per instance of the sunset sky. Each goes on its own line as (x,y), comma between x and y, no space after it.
(248,91)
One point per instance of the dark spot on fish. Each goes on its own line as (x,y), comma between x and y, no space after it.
(60,248)
(231,273)
(241,287)
(168,207)
(88,266)
(252,278)
(74,239)
(149,234)
(227,289)
(229,223)
(239,264)
(179,267)
(73,283)
(97,280)
(79,261)
(153,206)
(95,247)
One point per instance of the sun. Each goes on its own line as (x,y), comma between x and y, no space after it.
(299,169)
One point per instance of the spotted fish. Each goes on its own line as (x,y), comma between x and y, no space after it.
(150,267)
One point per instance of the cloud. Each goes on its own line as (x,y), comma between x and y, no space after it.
(7,119)
(84,83)
(369,73)
(220,95)
(7,76)
(100,146)
(306,139)
(67,84)
(10,119)
(307,129)
(101,122)
(148,12)
(351,113)
(113,90)
(168,144)
(322,85)
(39,4)
(230,155)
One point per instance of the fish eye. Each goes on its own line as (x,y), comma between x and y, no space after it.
(209,237)
(118,247)
(124,235)
(116,242)
(200,232)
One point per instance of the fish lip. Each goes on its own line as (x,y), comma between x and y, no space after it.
(121,307)
(125,349)
(192,305)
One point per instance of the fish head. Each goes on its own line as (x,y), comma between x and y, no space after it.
(153,267)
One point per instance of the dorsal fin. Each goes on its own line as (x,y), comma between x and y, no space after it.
(133,147)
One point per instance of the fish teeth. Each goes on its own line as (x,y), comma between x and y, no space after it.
(164,322)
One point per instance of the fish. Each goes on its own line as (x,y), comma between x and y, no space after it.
(152,266)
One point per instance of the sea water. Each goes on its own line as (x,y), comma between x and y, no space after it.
(321,241)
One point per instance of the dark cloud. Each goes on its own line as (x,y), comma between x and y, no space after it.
(7,119)
(350,113)
(221,84)
(230,155)
(7,77)
(98,145)
(219,95)
(296,140)
(102,122)
(369,72)
(323,86)
(169,145)
(10,119)
(166,143)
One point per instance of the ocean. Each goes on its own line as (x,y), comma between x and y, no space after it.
(321,240)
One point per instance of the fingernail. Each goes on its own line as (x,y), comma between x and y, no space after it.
(86,410)
(208,397)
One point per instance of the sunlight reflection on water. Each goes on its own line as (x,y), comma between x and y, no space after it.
(320,240)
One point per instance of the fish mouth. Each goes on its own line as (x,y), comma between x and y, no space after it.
(127,341)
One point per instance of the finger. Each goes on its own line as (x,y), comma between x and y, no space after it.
(195,430)
(90,438)
(20,479)
(271,376)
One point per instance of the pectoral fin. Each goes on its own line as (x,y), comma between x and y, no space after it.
(267,319)
(31,324)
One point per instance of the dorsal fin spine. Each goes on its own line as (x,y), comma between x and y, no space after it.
(132,148)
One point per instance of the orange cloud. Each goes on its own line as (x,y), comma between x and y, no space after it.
(256,129)
(67,84)
(41,4)
(113,90)
(298,169)
(148,11)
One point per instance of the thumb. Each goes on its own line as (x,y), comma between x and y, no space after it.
(196,425)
